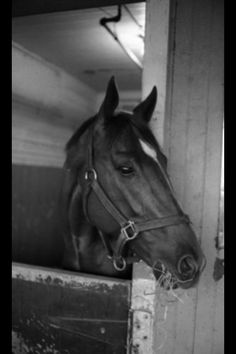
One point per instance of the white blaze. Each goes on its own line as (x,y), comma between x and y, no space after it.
(150,151)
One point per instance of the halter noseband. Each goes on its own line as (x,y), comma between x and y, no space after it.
(129,229)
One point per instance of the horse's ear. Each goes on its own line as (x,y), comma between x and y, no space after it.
(145,109)
(111,100)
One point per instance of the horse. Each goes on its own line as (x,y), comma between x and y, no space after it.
(118,202)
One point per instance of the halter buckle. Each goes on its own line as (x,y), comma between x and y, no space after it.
(90,175)
(128,231)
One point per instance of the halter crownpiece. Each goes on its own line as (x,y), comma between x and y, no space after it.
(129,229)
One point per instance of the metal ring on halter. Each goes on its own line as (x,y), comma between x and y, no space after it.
(118,267)
(90,172)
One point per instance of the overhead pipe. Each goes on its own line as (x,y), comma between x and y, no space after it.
(117,18)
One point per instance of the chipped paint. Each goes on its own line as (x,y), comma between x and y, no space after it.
(64,278)
(18,346)
(21,345)
(143,310)
(54,311)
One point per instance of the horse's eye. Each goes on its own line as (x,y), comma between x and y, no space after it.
(126,170)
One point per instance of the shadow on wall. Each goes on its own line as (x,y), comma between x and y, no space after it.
(35,223)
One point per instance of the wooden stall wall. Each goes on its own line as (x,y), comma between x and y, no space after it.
(47,105)
(188,122)
(35,197)
(194,140)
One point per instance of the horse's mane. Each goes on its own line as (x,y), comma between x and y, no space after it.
(78,133)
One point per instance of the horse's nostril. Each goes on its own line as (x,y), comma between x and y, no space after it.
(187,265)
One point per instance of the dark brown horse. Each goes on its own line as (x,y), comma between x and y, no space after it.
(119,204)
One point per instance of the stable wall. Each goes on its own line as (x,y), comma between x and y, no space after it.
(47,106)
(195,109)
(53,310)
(184,48)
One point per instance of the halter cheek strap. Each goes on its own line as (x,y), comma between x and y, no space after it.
(129,229)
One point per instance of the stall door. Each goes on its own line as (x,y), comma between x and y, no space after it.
(65,313)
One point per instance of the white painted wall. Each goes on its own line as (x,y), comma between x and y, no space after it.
(194,136)
(37,140)
(47,105)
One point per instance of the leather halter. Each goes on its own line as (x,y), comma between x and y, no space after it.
(129,229)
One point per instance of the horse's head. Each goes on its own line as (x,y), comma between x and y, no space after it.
(128,194)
